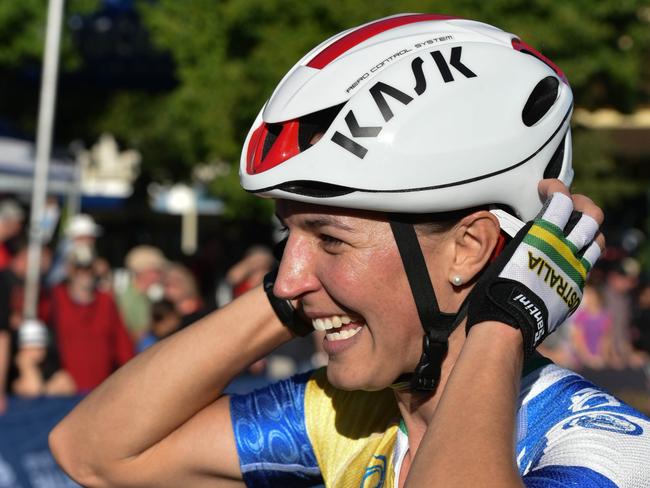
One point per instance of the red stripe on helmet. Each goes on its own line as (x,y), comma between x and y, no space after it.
(520,45)
(284,147)
(334,50)
(254,150)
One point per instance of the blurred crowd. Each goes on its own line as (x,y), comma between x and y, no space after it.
(611,327)
(93,318)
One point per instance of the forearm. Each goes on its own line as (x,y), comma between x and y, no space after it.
(159,390)
(470,441)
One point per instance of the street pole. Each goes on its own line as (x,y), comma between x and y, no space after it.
(43,152)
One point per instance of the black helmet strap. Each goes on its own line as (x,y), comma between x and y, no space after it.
(437,325)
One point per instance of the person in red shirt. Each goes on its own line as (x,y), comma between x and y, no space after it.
(11,223)
(90,333)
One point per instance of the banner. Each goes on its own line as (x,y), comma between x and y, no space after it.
(25,458)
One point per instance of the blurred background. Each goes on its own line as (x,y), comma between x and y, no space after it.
(145,225)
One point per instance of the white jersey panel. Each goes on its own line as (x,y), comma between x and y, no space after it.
(566,423)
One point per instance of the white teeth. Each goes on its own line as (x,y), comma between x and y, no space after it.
(333,322)
(344,334)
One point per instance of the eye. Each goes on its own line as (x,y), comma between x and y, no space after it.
(329,240)
(278,249)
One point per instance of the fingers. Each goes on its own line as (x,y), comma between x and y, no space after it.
(557,209)
(547,187)
(583,232)
(584,204)
(592,254)
(590,210)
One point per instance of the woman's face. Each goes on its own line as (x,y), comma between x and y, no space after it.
(344,269)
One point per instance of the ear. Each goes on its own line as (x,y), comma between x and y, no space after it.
(474,239)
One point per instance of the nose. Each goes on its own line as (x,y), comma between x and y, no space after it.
(296,275)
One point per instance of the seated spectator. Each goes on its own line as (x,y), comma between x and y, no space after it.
(11,310)
(165,320)
(91,337)
(181,289)
(38,370)
(146,265)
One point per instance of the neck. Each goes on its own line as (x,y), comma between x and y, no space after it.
(81,293)
(418,408)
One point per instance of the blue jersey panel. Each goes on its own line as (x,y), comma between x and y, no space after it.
(569,427)
(565,477)
(272,441)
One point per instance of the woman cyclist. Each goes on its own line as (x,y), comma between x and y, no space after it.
(403,156)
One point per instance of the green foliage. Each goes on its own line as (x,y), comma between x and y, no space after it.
(22,31)
(230,54)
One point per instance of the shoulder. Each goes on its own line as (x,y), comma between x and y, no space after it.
(308,424)
(568,424)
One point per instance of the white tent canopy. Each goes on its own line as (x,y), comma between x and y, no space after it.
(17,159)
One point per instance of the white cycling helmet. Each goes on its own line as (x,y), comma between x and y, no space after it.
(415,114)
(419,114)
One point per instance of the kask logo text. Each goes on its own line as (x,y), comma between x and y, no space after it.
(380,90)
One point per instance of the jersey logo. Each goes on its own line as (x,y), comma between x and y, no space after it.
(380,90)
(375,475)
(589,398)
(605,421)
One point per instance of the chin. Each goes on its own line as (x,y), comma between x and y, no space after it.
(349,379)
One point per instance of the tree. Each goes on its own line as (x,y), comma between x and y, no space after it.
(229,54)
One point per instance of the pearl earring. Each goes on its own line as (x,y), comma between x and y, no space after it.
(457,280)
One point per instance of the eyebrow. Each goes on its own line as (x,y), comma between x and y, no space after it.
(322,221)
(317,222)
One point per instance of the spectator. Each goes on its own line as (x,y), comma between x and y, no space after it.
(181,289)
(146,265)
(37,364)
(91,336)
(620,282)
(298,355)
(11,310)
(590,330)
(82,230)
(12,217)
(250,271)
(165,320)
(641,320)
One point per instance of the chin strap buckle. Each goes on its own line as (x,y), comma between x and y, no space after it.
(434,349)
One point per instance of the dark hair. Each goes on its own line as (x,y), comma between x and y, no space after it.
(161,309)
(438,222)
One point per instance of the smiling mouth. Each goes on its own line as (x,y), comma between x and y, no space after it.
(338,327)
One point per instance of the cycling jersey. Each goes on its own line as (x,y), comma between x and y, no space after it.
(304,432)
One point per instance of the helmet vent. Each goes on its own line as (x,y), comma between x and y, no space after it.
(315,124)
(554,166)
(540,101)
(315,189)
(273,131)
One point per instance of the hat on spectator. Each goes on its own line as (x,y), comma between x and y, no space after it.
(10,210)
(82,225)
(32,333)
(144,258)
